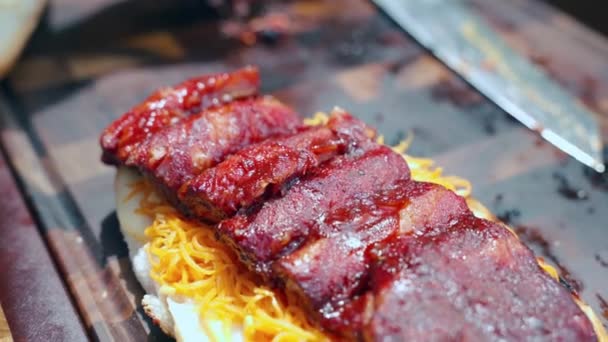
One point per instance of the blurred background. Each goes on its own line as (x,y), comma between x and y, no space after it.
(590,12)
(70,67)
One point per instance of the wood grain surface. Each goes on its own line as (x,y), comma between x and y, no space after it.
(37,305)
(91,61)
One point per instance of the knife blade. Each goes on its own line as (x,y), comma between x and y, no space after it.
(463,41)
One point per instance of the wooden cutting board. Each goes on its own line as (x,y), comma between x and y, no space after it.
(91,61)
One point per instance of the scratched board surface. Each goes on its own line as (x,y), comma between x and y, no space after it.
(91,61)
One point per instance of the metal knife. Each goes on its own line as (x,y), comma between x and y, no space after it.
(467,44)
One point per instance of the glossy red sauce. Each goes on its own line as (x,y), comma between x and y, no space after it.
(170,105)
(362,225)
(282,224)
(177,154)
(264,169)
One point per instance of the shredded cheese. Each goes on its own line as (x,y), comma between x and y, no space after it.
(188,261)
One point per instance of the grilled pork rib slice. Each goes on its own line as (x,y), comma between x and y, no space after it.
(283,224)
(328,288)
(169,105)
(429,209)
(245,177)
(178,153)
(474,281)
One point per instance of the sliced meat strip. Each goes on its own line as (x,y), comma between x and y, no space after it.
(355,133)
(430,209)
(178,153)
(243,178)
(282,224)
(328,286)
(329,273)
(473,282)
(169,105)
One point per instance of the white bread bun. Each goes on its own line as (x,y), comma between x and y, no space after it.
(175,315)
(18,18)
